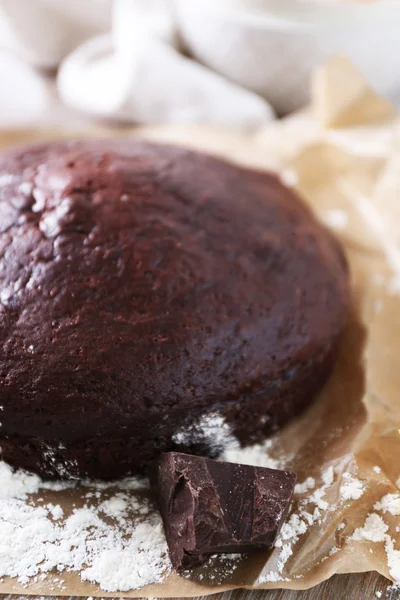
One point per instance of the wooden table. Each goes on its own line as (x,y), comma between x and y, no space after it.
(362,586)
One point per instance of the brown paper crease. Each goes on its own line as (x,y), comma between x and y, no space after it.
(351,178)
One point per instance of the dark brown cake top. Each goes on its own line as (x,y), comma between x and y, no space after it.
(139,282)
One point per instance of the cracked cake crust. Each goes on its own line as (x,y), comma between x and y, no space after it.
(143,285)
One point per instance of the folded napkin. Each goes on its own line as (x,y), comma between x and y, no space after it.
(128,60)
(118,60)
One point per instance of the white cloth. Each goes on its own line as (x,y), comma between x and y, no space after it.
(121,59)
(118,60)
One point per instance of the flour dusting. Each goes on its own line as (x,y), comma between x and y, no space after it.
(259,455)
(302,488)
(310,510)
(352,488)
(117,543)
(114,537)
(373,530)
(376,530)
(389,503)
(210,431)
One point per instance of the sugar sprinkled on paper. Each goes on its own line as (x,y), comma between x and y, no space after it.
(102,552)
(328,476)
(352,488)
(34,540)
(299,522)
(258,455)
(393,558)
(272,577)
(56,511)
(115,540)
(302,488)
(389,503)
(317,499)
(373,530)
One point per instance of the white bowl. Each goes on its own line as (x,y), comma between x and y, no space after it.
(273,46)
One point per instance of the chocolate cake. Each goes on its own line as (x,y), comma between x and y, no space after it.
(143,287)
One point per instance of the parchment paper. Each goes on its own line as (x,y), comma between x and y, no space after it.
(354,425)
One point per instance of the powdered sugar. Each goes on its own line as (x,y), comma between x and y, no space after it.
(328,476)
(272,577)
(352,488)
(55,511)
(296,526)
(116,507)
(299,522)
(302,488)
(16,485)
(259,455)
(393,558)
(120,565)
(373,530)
(290,533)
(317,499)
(389,503)
(210,431)
(219,568)
(115,537)
(117,542)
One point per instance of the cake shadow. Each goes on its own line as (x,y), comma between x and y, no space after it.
(329,428)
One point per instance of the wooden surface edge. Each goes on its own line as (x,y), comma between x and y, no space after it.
(359,586)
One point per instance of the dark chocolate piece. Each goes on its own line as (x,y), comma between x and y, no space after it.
(212,507)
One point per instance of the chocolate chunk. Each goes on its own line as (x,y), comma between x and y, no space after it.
(212,507)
